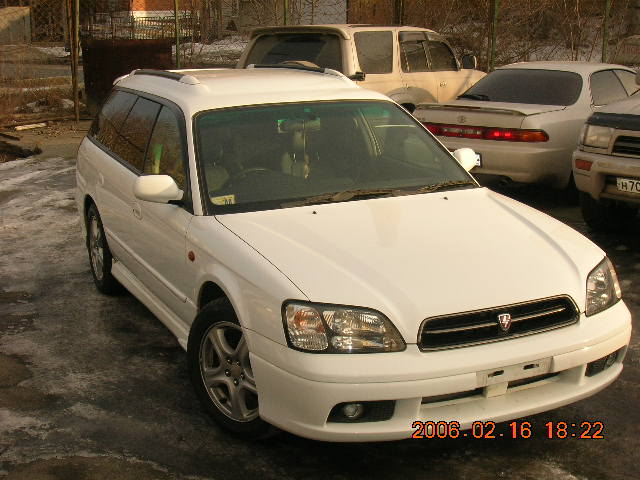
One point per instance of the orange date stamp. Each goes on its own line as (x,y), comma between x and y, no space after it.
(593,430)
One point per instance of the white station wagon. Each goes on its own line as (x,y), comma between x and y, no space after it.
(329,267)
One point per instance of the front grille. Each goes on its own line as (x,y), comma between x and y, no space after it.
(482,326)
(627,146)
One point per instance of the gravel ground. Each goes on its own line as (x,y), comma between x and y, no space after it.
(94,387)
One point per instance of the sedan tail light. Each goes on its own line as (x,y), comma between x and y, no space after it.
(487,133)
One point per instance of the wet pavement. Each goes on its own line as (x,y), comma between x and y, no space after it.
(94,387)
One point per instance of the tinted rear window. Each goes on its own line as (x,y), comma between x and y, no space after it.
(319,48)
(540,87)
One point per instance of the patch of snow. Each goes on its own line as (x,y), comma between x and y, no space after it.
(59,52)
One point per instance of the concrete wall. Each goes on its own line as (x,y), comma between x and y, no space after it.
(15,25)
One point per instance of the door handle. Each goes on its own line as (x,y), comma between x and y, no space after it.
(135,209)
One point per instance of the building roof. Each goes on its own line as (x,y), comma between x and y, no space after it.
(206,89)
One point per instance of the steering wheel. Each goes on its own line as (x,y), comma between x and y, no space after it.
(245,172)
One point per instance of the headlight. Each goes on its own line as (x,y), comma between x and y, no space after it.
(596,136)
(326,328)
(603,289)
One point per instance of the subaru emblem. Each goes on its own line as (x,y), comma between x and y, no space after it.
(462,119)
(504,320)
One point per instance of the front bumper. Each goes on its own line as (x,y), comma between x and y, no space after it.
(299,397)
(538,163)
(594,181)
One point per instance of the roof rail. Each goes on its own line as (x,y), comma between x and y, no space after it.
(179,77)
(300,66)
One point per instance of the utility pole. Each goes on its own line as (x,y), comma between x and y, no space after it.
(494,10)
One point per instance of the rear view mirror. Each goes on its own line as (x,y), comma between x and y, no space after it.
(469,62)
(466,157)
(157,189)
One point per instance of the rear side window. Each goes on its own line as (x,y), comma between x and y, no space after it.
(109,120)
(375,51)
(442,57)
(606,88)
(530,86)
(133,136)
(628,80)
(319,48)
(165,155)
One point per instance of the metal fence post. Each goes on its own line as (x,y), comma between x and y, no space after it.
(176,14)
(605,30)
(286,11)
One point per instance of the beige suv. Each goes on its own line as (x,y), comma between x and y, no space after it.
(606,165)
(408,64)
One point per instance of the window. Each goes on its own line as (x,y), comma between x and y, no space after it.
(442,57)
(114,111)
(319,48)
(526,85)
(165,155)
(133,136)
(606,88)
(628,80)
(375,51)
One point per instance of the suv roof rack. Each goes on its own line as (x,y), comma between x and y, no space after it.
(179,77)
(293,65)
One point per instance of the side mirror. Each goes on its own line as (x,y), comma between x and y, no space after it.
(469,62)
(157,189)
(358,77)
(466,157)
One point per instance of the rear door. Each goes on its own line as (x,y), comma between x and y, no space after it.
(377,59)
(420,82)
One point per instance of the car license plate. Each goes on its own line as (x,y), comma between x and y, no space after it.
(631,185)
(478,159)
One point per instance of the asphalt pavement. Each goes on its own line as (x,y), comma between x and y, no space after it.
(95,387)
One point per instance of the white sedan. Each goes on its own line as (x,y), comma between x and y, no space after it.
(523,120)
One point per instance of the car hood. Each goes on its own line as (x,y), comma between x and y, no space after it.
(417,256)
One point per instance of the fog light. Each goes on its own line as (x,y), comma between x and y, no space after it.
(611,358)
(353,411)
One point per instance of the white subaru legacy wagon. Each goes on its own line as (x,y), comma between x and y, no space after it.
(329,267)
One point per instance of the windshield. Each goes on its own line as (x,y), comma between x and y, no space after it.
(279,156)
(520,85)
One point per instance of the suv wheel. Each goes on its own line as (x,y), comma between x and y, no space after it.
(606,217)
(220,371)
(100,257)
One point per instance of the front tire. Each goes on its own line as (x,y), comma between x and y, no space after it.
(100,257)
(221,373)
(606,217)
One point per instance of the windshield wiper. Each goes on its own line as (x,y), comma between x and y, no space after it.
(475,96)
(451,185)
(343,196)
(347,195)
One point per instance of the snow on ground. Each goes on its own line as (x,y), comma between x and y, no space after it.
(54,51)
(226,50)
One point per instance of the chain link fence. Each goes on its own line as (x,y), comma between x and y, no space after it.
(34,34)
